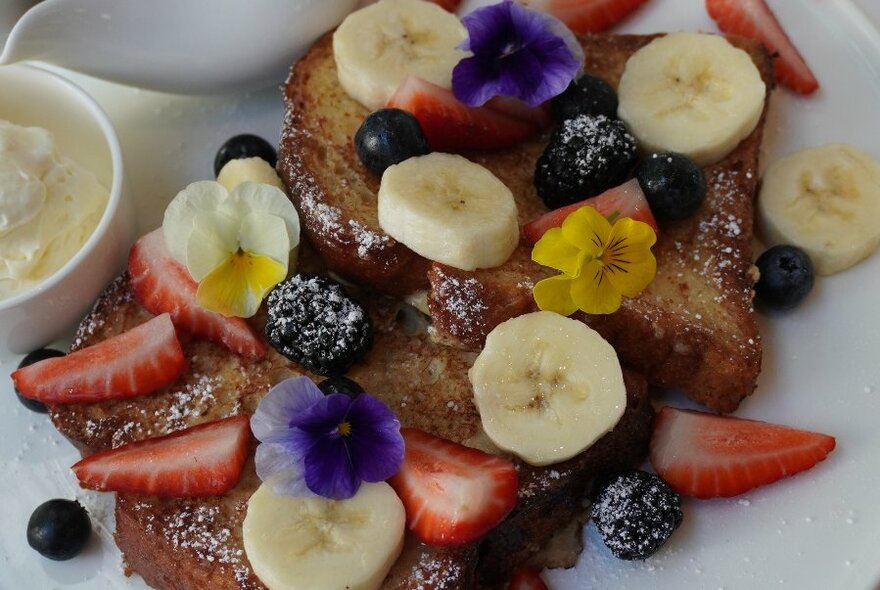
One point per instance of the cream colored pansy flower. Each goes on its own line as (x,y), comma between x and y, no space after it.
(236,244)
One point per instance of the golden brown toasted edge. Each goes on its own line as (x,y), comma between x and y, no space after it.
(694,327)
(196,543)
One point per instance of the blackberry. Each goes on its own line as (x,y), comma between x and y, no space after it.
(588,95)
(313,322)
(586,156)
(635,514)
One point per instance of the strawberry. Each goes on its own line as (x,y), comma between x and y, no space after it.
(626,200)
(709,456)
(587,16)
(133,363)
(452,494)
(163,285)
(450,125)
(203,460)
(526,578)
(450,5)
(754,19)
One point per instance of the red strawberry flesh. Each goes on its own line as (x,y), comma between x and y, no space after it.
(136,362)
(626,200)
(754,19)
(587,16)
(709,456)
(450,125)
(452,494)
(162,285)
(203,460)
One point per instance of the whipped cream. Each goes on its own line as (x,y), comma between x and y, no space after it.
(49,206)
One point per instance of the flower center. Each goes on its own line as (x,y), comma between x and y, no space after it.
(344,428)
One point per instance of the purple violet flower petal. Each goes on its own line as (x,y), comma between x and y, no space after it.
(286,400)
(516,52)
(276,464)
(324,416)
(328,469)
(375,443)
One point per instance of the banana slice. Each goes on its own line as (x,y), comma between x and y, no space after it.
(248,169)
(692,93)
(378,46)
(547,387)
(825,200)
(448,209)
(315,544)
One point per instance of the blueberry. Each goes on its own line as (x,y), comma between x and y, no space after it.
(635,513)
(388,137)
(674,185)
(588,95)
(36,356)
(59,529)
(786,277)
(244,146)
(340,384)
(586,156)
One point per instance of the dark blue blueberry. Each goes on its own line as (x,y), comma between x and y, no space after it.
(340,384)
(388,137)
(59,529)
(786,277)
(674,185)
(588,95)
(244,146)
(36,356)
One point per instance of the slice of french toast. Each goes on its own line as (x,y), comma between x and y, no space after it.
(693,328)
(189,544)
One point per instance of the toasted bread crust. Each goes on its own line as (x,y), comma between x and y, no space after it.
(693,328)
(189,544)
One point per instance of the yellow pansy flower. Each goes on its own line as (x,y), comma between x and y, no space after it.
(236,244)
(599,262)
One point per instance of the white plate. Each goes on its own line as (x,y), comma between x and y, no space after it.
(817,530)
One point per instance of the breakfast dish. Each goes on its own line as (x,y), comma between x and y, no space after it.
(787,421)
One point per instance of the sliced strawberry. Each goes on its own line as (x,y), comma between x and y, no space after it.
(133,363)
(626,200)
(450,5)
(450,125)
(163,285)
(526,578)
(709,456)
(452,494)
(587,16)
(203,460)
(754,19)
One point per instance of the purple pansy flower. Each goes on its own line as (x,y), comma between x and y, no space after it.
(325,445)
(517,52)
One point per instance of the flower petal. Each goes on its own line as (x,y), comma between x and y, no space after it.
(263,198)
(587,229)
(554,294)
(629,264)
(517,52)
(213,240)
(323,417)
(329,471)
(177,225)
(555,251)
(276,464)
(278,408)
(592,292)
(375,443)
(265,234)
(237,287)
